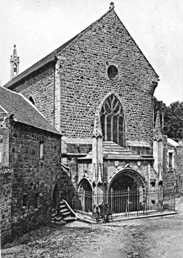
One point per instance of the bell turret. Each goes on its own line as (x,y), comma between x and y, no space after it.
(14,63)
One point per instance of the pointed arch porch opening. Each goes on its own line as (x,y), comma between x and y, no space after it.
(85,195)
(126,192)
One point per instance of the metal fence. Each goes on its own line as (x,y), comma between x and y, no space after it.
(127,202)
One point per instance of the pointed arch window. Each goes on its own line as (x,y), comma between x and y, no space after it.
(112,120)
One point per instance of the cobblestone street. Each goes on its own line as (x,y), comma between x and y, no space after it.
(153,238)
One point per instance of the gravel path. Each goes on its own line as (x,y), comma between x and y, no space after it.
(143,238)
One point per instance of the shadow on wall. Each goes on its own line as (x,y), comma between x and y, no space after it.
(37,204)
(34,216)
(65,190)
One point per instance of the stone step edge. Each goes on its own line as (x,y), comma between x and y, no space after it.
(157,214)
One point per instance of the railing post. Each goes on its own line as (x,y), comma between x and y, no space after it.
(146,200)
(137,194)
(174,193)
(84,200)
(111,192)
(128,201)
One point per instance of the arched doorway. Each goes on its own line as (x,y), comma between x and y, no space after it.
(126,192)
(62,191)
(85,195)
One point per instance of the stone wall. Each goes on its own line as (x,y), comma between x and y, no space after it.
(5,203)
(169,173)
(40,86)
(4,147)
(179,162)
(34,176)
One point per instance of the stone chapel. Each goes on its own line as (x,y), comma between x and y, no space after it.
(97,91)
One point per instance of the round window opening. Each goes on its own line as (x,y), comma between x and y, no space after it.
(112,71)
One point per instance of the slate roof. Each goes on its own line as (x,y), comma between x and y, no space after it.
(23,110)
(53,55)
(113,151)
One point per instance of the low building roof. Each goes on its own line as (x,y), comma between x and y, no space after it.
(172,143)
(24,111)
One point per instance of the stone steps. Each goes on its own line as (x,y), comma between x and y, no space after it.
(63,214)
(113,147)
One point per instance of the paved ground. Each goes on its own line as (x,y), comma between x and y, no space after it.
(143,238)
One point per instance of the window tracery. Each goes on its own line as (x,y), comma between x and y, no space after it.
(112,120)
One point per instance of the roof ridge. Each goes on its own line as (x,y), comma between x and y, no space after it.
(30,103)
(27,100)
(137,46)
(17,104)
(52,55)
(7,89)
(3,109)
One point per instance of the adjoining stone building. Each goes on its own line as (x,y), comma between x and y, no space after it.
(179,162)
(30,166)
(97,91)
(165,158)
(168,159)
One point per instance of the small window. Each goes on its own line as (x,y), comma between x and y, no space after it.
(112,71)
(170,160)
(32,100)
(41,150)
(153,182)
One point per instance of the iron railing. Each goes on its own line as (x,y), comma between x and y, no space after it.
(127,202)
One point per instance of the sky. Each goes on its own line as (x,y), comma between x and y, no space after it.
(37,27)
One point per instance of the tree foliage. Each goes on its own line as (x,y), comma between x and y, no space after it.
(172,117)
(174,120)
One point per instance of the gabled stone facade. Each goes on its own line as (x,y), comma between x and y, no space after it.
(97,90)
(167,161)
(82,82)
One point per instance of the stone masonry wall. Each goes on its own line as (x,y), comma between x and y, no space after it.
(84,80)
(34,177)
(6,175)
(179,163)
(40,87)
(169,174)
(5,204)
